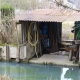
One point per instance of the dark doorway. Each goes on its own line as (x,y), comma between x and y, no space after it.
(50,36)
(44,37)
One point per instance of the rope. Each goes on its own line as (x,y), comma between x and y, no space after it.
(34,43)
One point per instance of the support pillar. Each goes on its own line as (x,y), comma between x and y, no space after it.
(18,55)
(7,53)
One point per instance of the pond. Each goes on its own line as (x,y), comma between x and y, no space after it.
(23,71)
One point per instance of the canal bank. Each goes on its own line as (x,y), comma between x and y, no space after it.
(56,58)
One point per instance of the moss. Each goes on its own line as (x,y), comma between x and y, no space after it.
(12,44)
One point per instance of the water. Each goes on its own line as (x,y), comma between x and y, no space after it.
(23,71)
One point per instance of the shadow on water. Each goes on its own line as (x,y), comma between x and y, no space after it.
(22,71)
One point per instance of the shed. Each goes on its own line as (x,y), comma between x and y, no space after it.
(52,19)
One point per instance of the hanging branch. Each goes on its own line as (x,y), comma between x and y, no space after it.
(60,3)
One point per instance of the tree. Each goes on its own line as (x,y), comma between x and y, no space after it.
(75,2)
(72,4)
(23,4)
(6,29)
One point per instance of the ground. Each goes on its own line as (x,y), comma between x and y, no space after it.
(54,59)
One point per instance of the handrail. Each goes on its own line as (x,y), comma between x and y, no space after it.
(23,44)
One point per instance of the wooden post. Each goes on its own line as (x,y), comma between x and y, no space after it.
(70,55)
(7,53)
(22,29)
(18,52)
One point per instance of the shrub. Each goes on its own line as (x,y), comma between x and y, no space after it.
(6,10)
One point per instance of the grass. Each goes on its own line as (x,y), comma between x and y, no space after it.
(4,77)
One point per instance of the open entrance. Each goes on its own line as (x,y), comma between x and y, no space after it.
(44,37)
(50,36)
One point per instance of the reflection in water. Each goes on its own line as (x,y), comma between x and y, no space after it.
(73,74)
(38,72)
(70,74)
(64,72)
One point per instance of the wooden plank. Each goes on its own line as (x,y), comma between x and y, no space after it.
(25,27)
(67,40)
(77,41)
(53,37)
(70,55)
(77,54)
(59,33)
(24,31)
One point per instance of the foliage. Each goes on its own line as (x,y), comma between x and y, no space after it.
(78,35)
(77,28)
(7,24)
(24,4)
(6,10)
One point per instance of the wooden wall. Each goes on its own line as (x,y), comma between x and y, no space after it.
(24,28)
(55,34)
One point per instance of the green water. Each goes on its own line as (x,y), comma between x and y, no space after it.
(23,71)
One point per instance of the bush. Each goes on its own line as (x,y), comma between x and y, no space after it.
(7,23)
(6,10)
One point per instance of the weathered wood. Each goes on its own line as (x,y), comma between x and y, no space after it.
(68,41)
(24,31)
(59,32)
(77,54)
(18,54)
(7,53)
(70,55)
(53,36)
(23,44)
(77,41)
(71,47)
(73,52)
